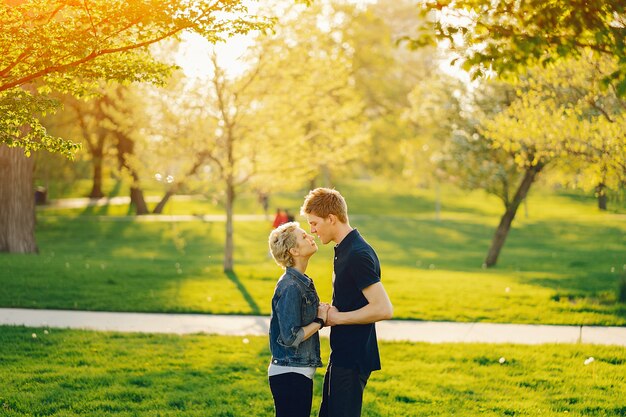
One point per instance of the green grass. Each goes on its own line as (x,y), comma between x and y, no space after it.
(561,265)
(71,373)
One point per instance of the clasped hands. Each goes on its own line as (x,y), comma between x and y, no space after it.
(328,313)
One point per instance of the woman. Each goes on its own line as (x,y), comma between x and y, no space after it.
(297,317)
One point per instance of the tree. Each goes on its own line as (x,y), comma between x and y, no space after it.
(508,36)
(436,115)
(313,111)
(90,116)
(558,114)
(231,133)
(384,74)
(600,164)
(510,132)
(68,46)
(462,155)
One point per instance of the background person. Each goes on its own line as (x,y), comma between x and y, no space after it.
(280,218)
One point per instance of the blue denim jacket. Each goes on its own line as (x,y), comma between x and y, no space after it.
(294,305)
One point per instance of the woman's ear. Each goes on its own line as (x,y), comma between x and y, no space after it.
(294,251)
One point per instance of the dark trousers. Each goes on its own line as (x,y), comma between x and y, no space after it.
(343,392)
(292,394)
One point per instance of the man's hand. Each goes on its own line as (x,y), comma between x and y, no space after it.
(331,318)
(378,308)
(322,312)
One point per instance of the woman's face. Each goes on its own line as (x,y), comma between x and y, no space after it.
(305,244)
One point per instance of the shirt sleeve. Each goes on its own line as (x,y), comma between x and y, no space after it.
(290,316)
(365,270)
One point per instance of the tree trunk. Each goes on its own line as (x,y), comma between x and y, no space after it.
(17,202)
(125,146)
(229,246)
(601,193)
(505,222)
(96,189)
(137,199)
(173,190)
(159,207)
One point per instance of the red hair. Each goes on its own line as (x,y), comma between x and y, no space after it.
(323,202)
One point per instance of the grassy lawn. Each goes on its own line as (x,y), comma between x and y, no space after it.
(71,373)
(560,265)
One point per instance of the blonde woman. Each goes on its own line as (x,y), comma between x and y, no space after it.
(297,317)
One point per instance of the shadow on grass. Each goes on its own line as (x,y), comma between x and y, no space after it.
(587,258)
(616,202)
(104,265)
(244,292)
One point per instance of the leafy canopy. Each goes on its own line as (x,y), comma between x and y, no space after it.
(506,35)
(68,45)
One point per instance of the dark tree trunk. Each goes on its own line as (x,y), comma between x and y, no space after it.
(96,189)
(137,199)
(176,186)
(95,136)
(601,193)
(507,219)
(159,207)
(17,202)
(125,146)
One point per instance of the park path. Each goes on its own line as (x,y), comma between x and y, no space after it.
(70,203)
(108,201)
(391,330)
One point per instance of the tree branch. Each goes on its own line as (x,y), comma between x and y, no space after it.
(87,58)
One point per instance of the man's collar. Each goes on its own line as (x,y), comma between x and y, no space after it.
(347,240)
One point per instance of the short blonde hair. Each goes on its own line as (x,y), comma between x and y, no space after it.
(281,240)
(323,202)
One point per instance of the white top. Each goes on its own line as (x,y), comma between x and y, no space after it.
(274,370)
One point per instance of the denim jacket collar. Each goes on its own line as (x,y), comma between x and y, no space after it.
(299,276)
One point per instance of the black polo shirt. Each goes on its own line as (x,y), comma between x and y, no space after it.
(356,267)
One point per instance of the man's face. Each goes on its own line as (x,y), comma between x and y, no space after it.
(320,227)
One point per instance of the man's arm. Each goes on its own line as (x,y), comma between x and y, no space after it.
(379,307)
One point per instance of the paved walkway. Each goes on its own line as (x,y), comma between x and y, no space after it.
(105,201)
(393,330)
(108,201)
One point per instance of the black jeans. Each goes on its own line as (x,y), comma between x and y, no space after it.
(343,392)
(292,394)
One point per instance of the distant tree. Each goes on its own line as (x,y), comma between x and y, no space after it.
(559,114)
(384,73)
(465,157)
(90,116)
(507,133)
(68,46)
(311,106)
(599,162)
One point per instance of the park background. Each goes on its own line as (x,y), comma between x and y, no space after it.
(482,153)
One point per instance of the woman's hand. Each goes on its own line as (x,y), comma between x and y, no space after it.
(322,311)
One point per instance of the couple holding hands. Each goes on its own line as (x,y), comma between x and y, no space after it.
(359,300)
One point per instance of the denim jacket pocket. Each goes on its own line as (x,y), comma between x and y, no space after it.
(309,307)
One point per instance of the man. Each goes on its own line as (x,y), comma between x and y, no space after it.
(359,300)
